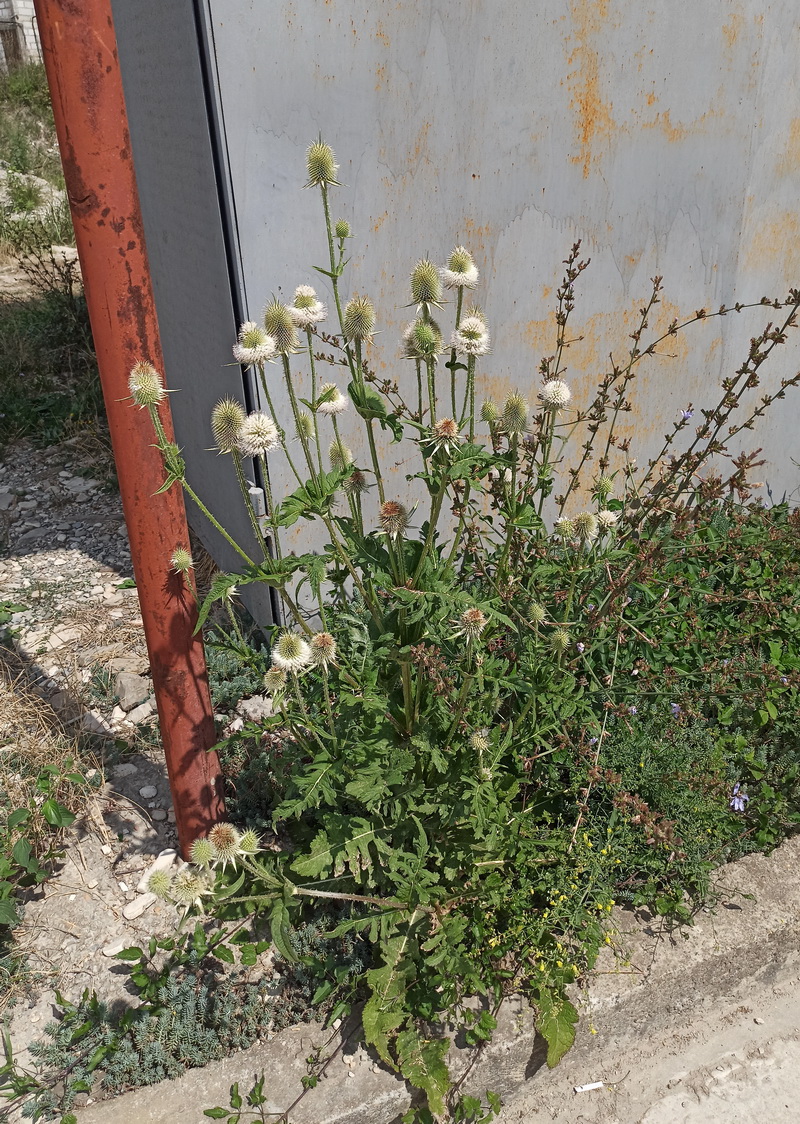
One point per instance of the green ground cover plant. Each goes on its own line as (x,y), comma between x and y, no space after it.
(562,682)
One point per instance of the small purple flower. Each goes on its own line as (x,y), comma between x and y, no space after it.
(580,647)
(784,680)
(632,710)
(675,708)
(738,801)
(593,741)
(687,415)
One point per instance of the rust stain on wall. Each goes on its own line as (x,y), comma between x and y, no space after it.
(594,119)
(789,160)
(732,28)
(776,244)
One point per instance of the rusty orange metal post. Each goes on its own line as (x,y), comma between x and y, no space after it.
(80,56)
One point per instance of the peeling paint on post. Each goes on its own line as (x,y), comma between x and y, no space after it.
(80,55)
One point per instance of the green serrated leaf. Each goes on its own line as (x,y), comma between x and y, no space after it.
(421,1062)
(555,1021)
(279,929)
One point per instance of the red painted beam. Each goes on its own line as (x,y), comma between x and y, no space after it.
(80,55)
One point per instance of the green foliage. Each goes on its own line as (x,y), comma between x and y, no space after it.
(501,714)
(27,130)
(22,194)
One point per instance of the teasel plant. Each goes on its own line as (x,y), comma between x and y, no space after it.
(430,651)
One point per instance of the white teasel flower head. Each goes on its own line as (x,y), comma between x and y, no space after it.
(555,394)
(331,400)
(586,527)
(224,838)
(254,345)
(321,165)
(393,518)
(422,339)
(479,740)
(181,561)
(190,886)
(323,649)
(461,271)
(471,623)
(607,520)
(565,528)
(275,680)
(340,455)
(280,325)
(426,283)
(305,310)
(146,385)
(227,419)
(258,435)
(471,337)
(446,435)
(291,652)
(359,319)
(515,414)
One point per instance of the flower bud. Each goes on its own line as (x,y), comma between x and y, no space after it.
(426,284)
(227,419)
(321,165)
(342,229)
(146,385)
(359,319)
(489,412)
(280,325)
(181,561)
(340,455)
(422,339)
(515,414)
(560,641)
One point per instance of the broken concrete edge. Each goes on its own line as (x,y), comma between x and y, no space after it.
(751,935)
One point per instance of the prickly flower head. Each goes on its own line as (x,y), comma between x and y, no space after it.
(304,427)
(472,622)
(258,435)
(604,487)
(359,319)
(254,345)
(426,284)
(586,528)
(305,310)
(203,852)
(160,884)
(461,271)
(471,337)
(555,394)
(291,652)
(515,414)
(280,325)
(356,483)
(224,838)
(323,649)
(560,641)
(393,518)
(249,842)
(479,740)
(227,419)
(565,528)
(446,435)
(331,400)
(489,411)
(341,456)
(342,229)
(607,520)
(537,613)
(181,561)
(422,339)
(275,680)
(146,385)
(321,165)
(190,886)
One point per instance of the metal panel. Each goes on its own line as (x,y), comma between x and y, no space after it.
(666,137)
(161,63)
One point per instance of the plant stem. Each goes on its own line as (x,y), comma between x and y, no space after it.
(314,397)
(295,410)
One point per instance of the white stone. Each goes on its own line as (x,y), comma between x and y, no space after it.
(106,849)
(163,861)
(91,884)
(94,723)
(159,814)
(123,886)
(140,713)
(124,769)
(148,791)
(137,907)
(117,946)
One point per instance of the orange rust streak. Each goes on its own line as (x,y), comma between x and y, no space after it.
(594,117)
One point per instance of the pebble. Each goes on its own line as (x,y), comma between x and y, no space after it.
(758,1022)
(123,886)
(91,884)
(159,814)
(106,848)
(117,946)
(140,713)
(137,907)
(124,769)
(148,792)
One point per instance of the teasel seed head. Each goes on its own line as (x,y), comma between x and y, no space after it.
(224,838)
(359,319)
(323,649)
(515,414)
(340,455)
(586,528)
(203,852)
(560,640)
(426,283)
(146,385)
(181,561)
(393,518)
(280,325)
(471,337)
(321,165)
(422,339)
(227,419)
